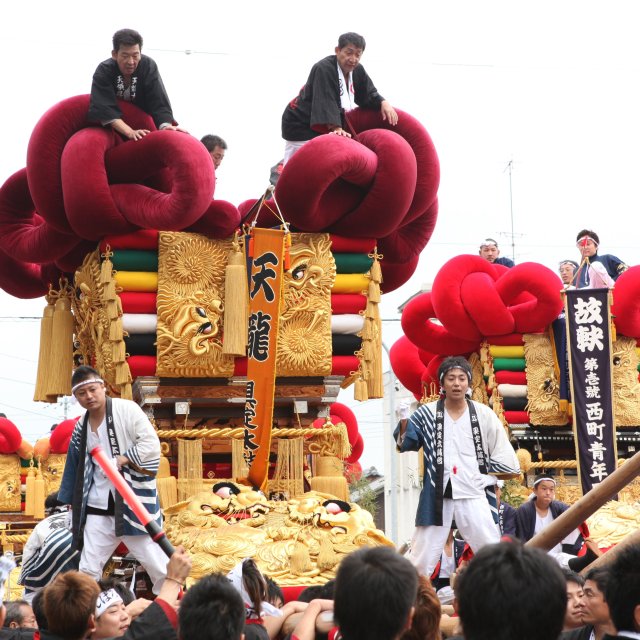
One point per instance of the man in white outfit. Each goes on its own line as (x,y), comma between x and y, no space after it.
(463,441)
(100,518)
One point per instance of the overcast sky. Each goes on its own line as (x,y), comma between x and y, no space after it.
(550,86)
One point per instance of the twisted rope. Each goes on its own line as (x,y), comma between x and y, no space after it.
(238,433)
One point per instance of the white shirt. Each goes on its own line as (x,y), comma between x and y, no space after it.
(460,461)
(541,525)
(447,564)
(101,485)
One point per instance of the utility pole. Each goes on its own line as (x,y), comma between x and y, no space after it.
(509,168)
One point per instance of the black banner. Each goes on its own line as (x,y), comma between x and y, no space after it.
(589,344)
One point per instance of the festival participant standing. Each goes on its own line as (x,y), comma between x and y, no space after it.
(132,77)
(101,520)
(336,85)
(462,442)
(597,270)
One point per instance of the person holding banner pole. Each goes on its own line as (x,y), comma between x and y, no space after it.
(101,519)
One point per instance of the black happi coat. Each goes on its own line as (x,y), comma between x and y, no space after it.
(147,91)
(318,102)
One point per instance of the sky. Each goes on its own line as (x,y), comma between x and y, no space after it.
(532,106)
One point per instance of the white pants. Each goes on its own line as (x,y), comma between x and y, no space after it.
(290,147)
(100,542)
(473,520)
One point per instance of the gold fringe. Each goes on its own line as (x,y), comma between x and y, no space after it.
(239,467)
(376,272)
(332,485)
(42,378)
(118,351)
(115,330)
(288,475)
(360,392)
(300,562)
(189,468)
(327,557)
(167,484)
(236,303)
(367,332)
(61,354)
(126,392)
(109,290)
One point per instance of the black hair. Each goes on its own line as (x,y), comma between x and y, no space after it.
(599,575)
(590,233)
(254,584)
(37,604)
(51,501)
(119,587)
(126,38)
(211,142)
(84,372)
(572,576)
(211,610)
(454,362)
(324,591)
(495,580)
(623,588)
(351,38)
(274,592)
(375,590)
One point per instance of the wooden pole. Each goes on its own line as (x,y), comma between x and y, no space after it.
(632,539)
(578,512)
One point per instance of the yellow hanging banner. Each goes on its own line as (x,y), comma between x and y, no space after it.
(265,290)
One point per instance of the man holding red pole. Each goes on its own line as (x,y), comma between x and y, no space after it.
(100,517)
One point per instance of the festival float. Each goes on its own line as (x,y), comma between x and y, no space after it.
(233,327)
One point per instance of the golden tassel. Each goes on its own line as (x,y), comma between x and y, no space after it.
(46,327)
(612,324)
(61,354)
(367,332)
(106,268)
(360,392)
(29,494)
(368,350)
(38,501)
(373,292)
(236,303)
(123,374)
(116,332)
(239,467)
(109,291)
(327,557)
(167,484)
(376,271)
(333,485)
(300,562)
(118,351)
(126,393)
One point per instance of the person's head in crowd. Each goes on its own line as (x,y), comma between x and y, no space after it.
(375,594)
(70,605)
(19,615)
(211,609)
(544,490)
(50,502)
(595,610)
(425,624)
(575,586)
(112,618)
(623,590)
(216,147)
(511,591)
(454,375)
(350,48)
(127,50)
(587,242)
(37,604)
(323,591)
(249,582)
(119,587)
(489,250)
(567,270)
(88,388)
(275,595)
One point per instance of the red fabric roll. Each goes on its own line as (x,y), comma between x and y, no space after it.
(142,366)
(517,417)
(138,302)
(511,377)
(144,239)
(343,365)
(340,244)
(240,367)
(508,340)
(347,303)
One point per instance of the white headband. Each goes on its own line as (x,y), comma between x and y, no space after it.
(81,384)
(107,599)
(587,237)
(539,480)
